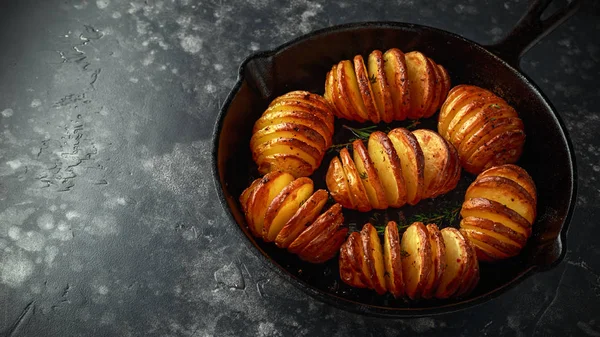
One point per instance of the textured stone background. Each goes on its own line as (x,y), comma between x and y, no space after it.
(109,223)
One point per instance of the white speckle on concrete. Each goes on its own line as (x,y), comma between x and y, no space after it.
(103,290)
(312,11)
(596,168)
(51,253)
(63,232)
(218,66)
(116,15)
(103,226)
(15,269)
(36,103)
(14,164)
(267,329)
(149,59)
(71,215)
(31,241)
(14,233)
(7,113)
(45,221)
(102,4)
(466,9)
(133,80)
(191,43)
(254,46)
(53,208)
(210,88)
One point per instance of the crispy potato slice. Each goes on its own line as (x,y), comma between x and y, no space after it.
(368,174)
(332,216)
(488,131)
(392,256)
(350,262)
(471,106)
(380,86)
(331,247)
(304,216)
(484,251)
(318,104)
(438,260)
(468,285)
(422,81)
(413,163)
(496,212)
(287,114)
(435,102)
(289,130)
(289,146)
(494,229)
(366,92)
(490,111)
(472,266)
(355,183)
(285,205)
(246,194)
(436,156)
(337,184)
(453,170)
(457,254)
(397,75)
(416,259)
(514,173)
(312,251)
(506,192)
(446,84)
(259,201)
(332,93)
(285,162)
(457,98)
(318,107)
(505,148)
(349,94)
(373,266)
(388,166)
(491,244)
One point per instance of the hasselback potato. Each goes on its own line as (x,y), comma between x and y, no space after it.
(285,210)
(389,86)
(499,211)
(484,129)
(424,263)
(393,169)
(293,134)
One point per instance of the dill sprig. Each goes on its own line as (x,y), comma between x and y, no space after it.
(445,216)
(362,133)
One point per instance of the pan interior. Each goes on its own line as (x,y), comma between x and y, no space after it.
(302,65)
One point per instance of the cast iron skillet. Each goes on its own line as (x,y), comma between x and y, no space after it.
(303,63)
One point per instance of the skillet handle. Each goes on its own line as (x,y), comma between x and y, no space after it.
(530,29)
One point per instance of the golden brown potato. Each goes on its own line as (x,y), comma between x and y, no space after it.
(416,259)
(506,192)
(441,166)
(472,270)
(350,262)
(373,266)
(260,199)
(438,260)
(388,167)
(457,262)
(246,194)
(293,134)
(331,247)
(380,86)
(413,163)
(332,217)
(483,127)
(337,183)
(357,189)
(368,174)
(366,91)
(421,76)
(396,73)
(306,214)
(285,205)
(326,243)
(392,256)
(498,212)
(391,86)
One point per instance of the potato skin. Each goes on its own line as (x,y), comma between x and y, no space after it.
(293,134)
(498,212)
(483,127)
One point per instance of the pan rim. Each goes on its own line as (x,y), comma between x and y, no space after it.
(374,310)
